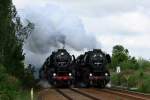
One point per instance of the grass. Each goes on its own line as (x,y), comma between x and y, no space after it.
(25,95)
(11,88)
(139,79)
(20,95)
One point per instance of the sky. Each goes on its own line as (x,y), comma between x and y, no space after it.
(87,24)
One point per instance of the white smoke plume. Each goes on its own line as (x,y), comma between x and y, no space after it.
(54,27)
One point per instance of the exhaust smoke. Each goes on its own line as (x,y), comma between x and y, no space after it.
(54,29)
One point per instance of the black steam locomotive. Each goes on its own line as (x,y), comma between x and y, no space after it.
(58,68)
(91,68)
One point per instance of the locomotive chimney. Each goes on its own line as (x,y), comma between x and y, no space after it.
(64,45)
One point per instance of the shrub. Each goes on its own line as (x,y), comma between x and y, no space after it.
(28,80)
(9,85)
(143,63)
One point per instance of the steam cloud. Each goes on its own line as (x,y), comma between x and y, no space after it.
(54,27)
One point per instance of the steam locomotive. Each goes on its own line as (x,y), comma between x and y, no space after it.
(58,68)
(91,68)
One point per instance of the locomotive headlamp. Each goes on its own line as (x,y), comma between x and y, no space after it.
(94,55)
(70,74)
(101,55)
(54,74)
(106,74)
(62,53)
(90,74)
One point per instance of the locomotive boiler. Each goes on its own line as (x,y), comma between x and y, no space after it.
(91,68)
(58,68)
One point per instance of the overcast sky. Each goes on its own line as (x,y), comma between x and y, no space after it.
(111,22)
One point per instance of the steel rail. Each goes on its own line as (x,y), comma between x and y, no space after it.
(63,94)
(84,94)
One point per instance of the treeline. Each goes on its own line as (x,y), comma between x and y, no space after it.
(13,76)
(121,57)
(134,73)
(13,34)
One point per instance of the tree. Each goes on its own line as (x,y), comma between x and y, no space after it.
(119,55)
(12,36)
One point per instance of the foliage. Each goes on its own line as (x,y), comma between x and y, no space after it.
(8,85)
(119,55)
(28,79)
(12,37)
(134,72)
(11,87)
(132,79)
(114,79)
(143,63)
(13,33)
(129,64)
(145,87)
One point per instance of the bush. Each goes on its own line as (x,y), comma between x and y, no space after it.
(118,79)
(145,88)
(132,82)
(129,64)
(11,88)
(9,85)
(145,80)
(114,79)
(28,79)
(143,63)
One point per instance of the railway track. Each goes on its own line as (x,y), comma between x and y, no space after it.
(115,94)
(131,92)
(91,94)
(128,94)
(75,94)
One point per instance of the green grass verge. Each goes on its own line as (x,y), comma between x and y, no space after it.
(138,79)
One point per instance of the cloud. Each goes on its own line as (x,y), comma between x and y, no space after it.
(137,44)
(121,24)
(112,22)
(98,8)
(53,28)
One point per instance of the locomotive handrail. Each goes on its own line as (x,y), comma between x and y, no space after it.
(85,58)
